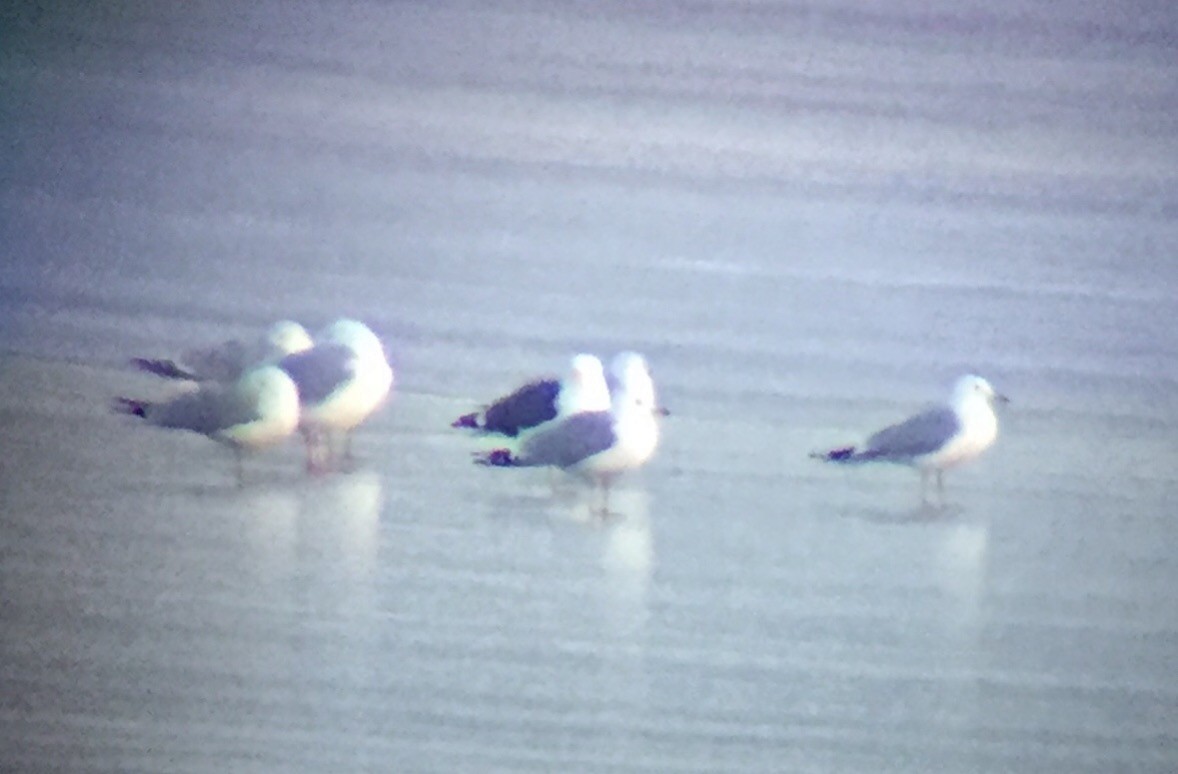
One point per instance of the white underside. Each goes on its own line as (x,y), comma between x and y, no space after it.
(277,405)
(261,433)
(978,433)
(638,437)
(352,402)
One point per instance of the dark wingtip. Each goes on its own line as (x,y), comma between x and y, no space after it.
(136,408)
(835,455)
(165,368)
(496,458)
(467,421)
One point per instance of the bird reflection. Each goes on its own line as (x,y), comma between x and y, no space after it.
(961,563)
(627,563)
(959,569)
(628,560)
(320,529)
(270,522)
(317,544)
(342,516)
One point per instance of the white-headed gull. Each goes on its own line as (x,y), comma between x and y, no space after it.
(258,410)
(342,380)
(598,445)
(935,440)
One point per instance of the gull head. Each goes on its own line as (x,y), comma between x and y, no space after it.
(287,337)
(356,336)
(972,387)
(584,388)
(632,375)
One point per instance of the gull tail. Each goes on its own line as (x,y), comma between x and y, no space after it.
(843,454)
(130,406)
(165,368)
(467,421)
(497,458)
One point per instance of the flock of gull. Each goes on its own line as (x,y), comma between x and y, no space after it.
(591,423)
(256,395)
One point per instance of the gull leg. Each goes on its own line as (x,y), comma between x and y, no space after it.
(605,482)
(316,463)
(330,450)
(594,497)
(237,467)
(924,487)
(341,450)
(322,442)
(327,451)
(308,445)
(941,485)
(349,458)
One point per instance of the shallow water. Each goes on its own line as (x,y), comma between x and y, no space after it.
(810,218)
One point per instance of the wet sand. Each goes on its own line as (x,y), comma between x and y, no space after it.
(810,218)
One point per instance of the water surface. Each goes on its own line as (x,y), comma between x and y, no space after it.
(811,218)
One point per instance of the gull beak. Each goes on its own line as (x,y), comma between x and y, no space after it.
(661,412)
(1000,398)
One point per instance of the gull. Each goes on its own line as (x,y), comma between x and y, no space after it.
(226,362)
(935,440)
(543,400)
(598,445)
(258,410)
(631,368)
(342,380)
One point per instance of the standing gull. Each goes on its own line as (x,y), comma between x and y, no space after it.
(341,380)
(226,362)
(543,400)
(598,445)
(259,410)
(935,440)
